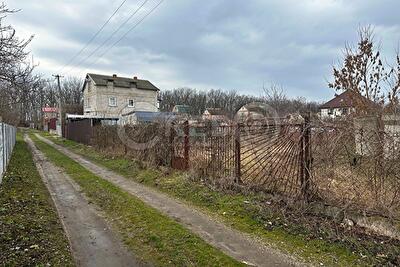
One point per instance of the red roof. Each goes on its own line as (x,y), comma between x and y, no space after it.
(344,100)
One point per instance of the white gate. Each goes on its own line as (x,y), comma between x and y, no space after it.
(7,142)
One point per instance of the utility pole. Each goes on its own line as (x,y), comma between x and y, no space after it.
(57,76)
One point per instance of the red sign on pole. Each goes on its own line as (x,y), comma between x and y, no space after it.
(49,110)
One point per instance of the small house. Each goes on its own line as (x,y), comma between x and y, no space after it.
(215,114)
(144,117)
(252,111)
(181,109)
(339,106)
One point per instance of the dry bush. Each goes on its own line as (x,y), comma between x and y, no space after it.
(145,142)
(211,152)
(356,166)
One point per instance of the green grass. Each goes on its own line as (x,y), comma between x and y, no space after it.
(152,236)
(30,231)
(245,213)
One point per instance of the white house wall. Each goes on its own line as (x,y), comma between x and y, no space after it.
(144,100)
(336,112)
(89,97)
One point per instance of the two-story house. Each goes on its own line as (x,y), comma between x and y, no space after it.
(111,96)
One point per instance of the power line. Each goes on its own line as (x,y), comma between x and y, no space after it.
(111,36)
(126,33)
(94,36)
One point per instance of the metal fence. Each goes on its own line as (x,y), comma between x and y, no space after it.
(319,160)
(7,142)
(272,157)
(79,131)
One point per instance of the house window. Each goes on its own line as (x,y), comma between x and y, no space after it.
(330,111)
(112,101)
(131,103)
(88,102)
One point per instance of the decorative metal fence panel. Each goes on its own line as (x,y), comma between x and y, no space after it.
(270,157)
(343,163)
(7,142)
(274,157)
(212,150)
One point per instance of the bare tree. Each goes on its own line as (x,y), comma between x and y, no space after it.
(276,98)
(364,73)
(394,83)
(283,105)
(231,101)
(16,78)
(71,91)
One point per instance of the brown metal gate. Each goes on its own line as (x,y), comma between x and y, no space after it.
(80,131)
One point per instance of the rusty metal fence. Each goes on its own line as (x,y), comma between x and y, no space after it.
(271,157)
(340,162)
(266,156)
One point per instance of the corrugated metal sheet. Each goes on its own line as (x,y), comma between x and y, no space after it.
(79,131)
(7,142)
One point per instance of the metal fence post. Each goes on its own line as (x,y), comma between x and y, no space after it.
(2,154)
(305,150)
(4,147)
(237,154)
(186,143)
(172,143)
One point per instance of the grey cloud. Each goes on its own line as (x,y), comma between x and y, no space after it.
(228,44)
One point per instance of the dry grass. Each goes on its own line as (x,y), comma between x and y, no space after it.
(271,160)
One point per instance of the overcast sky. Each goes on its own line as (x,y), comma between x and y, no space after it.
(220,44)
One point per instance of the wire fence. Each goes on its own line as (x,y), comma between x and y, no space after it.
(269,157)
(7,142)
(351,163)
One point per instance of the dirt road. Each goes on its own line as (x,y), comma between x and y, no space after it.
(231,242)
(92,241)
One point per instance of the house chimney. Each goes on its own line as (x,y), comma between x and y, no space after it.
(114,75)
(135,77)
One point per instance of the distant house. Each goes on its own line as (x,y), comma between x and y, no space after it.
(181,109)
(340,105)
(143,117)
(251,111)
(50,116)
(108,96)
(215,114)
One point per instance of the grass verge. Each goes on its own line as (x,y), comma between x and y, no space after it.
(152,236)
(30,231)
(313,239)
